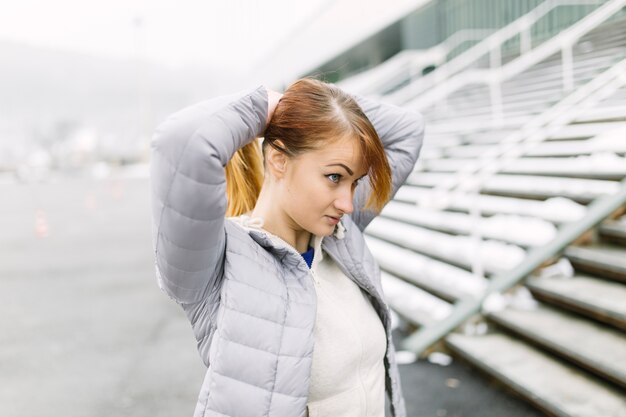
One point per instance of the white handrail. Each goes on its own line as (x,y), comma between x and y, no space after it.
(407,64)
(489,45)
(494,77)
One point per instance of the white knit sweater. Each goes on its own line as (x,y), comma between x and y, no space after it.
(347,372)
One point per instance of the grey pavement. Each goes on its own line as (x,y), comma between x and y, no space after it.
(85,331)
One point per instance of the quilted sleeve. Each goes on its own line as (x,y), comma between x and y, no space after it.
(189,151)
(401,132)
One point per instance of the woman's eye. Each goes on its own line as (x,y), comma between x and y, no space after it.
(337,175)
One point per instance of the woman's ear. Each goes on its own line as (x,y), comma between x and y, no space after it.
(276,160)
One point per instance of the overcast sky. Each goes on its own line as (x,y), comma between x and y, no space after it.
(227,34)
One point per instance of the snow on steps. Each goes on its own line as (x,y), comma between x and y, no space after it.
(527,186)
(557,210)
(446,281)
(596,138)
(519,230)
(412,303)
(606,166)
(495,256)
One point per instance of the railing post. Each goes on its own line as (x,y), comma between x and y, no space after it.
(495,55)
(567,61)
(442,105)
(495,90)
(415,69)
(525,39)
(478,269)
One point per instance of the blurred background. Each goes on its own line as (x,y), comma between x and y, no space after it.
(503,255)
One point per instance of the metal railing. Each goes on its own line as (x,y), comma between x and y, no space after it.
(494,77)
(537,130)
(408,64)
(490,46)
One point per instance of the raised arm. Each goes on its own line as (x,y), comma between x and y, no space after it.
(402,132)
(190,150)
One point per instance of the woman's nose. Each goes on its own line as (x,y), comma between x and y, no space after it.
(344,203)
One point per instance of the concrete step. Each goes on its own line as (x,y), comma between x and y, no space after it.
(605,167)
(590,345)
(585,130)
(527,186)
(456,250)
(556,210)
(441,279)
(601,113)
(604,260)
(523,231)
(549,79)
(479,124)
(553,69)
(413,304)
(552,385)
(550,148)
(587,48)
(484,107)
(483,117)
(487,137)
(614,231)
(571,140)
(598,299)
(546,80)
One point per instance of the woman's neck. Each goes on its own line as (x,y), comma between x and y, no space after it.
(277,222)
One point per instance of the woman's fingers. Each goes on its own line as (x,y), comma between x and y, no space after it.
(273,98)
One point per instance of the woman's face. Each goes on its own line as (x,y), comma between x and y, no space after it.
(321,183)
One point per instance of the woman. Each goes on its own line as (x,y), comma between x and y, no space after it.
(264,249)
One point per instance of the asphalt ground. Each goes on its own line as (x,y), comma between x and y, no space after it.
(87,332)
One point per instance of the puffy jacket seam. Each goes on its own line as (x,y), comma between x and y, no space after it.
(215,411)
(182,247)
(182,174)
(173,285)
(249,241)
(282,335)
(182,270)
(256,386)
(262,318)
(391,128)
(271,267)
(187,217)
(257,288)
(217,350)
(167,194)
(169,189)
(255,348)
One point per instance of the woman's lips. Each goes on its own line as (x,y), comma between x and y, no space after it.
(332,220)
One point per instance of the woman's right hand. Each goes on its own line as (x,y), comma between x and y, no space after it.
(273,98)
